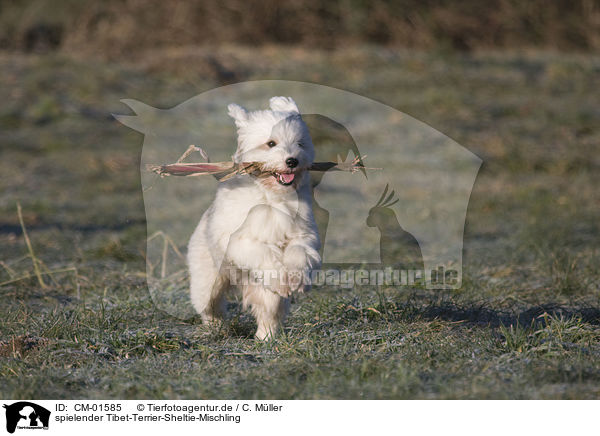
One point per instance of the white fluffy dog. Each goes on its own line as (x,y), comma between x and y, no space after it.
(259,225)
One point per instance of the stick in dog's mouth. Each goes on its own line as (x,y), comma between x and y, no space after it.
(223,171)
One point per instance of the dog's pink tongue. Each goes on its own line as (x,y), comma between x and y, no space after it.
(287,178)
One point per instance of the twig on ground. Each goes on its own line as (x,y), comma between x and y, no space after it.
(34,259)
(39,268)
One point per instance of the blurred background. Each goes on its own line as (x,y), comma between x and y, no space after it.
(116,29)
(515,82)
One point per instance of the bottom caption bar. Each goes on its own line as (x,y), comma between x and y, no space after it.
(75,417)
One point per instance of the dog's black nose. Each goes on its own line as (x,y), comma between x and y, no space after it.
(291,162)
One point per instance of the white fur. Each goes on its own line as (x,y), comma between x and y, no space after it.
(258,225)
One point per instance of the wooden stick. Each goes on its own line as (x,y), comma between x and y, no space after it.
(225,170)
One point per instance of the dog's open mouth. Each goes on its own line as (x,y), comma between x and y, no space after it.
(285,179)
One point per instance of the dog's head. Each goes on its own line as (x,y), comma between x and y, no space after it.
(277,137)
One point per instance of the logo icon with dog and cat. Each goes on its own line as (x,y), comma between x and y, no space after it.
(26,415)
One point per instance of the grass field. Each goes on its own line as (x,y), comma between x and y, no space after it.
(525,324)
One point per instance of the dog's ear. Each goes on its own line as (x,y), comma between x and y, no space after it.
(238,113)
(283,104)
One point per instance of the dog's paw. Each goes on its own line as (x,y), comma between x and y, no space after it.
(295,280)
(299,264)
(294,258)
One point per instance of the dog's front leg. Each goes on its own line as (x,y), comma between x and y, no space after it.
(300,258)
(266,292)
(269,309)
(260,261)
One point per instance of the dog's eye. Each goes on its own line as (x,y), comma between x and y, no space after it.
(300,144)
(271,144)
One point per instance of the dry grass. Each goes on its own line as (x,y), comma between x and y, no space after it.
(531,240)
